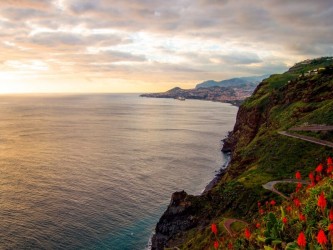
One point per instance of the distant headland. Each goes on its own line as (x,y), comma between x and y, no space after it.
(233,90)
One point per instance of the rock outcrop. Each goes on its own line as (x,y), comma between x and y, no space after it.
(177,218)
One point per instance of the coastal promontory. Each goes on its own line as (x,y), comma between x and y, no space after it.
(233,91)
(267,144)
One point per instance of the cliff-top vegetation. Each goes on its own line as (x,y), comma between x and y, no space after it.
(301,96)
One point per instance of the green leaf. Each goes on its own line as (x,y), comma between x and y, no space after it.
(268,240)
(276,242)
(260,238)
(292,246)
(282,213)
(268,248)
(272,218)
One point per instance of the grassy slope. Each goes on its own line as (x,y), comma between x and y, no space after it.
(261,154)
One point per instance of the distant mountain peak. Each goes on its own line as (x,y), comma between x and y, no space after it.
(233,82)
(174,89)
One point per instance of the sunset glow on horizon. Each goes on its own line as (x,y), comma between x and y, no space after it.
(147,46)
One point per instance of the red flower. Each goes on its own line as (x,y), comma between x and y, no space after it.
(272,202)
(311,176)
(257,225)
(289,208)
(329,169)
(319,168)
(298,187)
(298,175)
(329,161)
(285,220)
(301,240)
(330,215)
(230,246)
(302,217)
(318,178)
(322,201)
(297,202)
(321,237)
(216,244)
(259,204)
(214,228)
(261,211)
(330,228)
(247,233)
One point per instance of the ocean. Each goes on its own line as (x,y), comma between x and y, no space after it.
(97,171)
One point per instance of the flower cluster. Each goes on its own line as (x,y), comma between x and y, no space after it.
(304,222)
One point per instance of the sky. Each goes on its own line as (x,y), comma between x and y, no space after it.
(154,45)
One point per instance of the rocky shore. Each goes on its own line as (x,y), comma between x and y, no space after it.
(180,214)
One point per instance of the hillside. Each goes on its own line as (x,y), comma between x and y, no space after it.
(234,95)
(233,82)
(303,95)
(233,91)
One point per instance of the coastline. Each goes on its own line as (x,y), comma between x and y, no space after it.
(236,103)
(155,239)
(219,174)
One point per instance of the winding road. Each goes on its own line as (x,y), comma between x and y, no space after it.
(314,127)
(307,138)
(270,186)
(227,224)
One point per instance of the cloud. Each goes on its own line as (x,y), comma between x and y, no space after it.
(190,38)
(56,38)
(241,58)
(35,4)
(118,56)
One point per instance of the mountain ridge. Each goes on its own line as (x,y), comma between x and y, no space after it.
(234,90)
(233,82)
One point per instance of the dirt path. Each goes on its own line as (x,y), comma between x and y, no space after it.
(314,127)
(307,138)
(270,186)
(228,222)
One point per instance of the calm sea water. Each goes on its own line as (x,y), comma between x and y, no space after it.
(97,171)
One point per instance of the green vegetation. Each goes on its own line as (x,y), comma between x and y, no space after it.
(305,222)
(261,154)
(286,188)
(322,135)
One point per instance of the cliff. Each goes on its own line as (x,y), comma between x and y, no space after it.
(302,95)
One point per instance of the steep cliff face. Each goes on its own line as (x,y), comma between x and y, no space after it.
(278,103)
(302,95)
(176,219)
